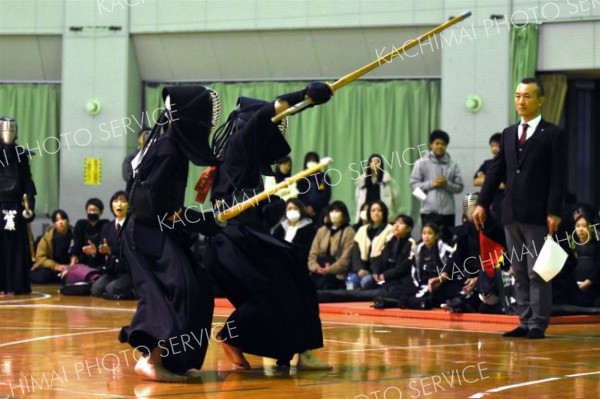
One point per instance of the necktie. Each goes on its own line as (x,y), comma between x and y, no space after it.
(523,137)
(118,228)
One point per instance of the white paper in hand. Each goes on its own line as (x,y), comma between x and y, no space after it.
(550,260)
(420,194)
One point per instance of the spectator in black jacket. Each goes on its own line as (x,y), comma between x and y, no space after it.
(86,236)
(395,262)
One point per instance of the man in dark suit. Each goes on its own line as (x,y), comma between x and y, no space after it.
(532,162)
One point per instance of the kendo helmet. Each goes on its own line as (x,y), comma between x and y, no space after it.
(8,130)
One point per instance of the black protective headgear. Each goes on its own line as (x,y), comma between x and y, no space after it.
(273,150)
(194,113)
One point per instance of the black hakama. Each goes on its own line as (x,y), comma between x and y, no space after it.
(176,301)
(276,309)
(277,312)
(15,253)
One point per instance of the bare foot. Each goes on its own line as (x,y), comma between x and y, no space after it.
(235,356)
(156,372)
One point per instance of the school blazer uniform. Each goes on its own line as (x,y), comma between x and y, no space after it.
(535,184)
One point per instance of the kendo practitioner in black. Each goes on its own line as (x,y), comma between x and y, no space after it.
(176,302)
(15,181)
(276,310)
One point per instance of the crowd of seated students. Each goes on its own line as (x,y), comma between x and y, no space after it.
(454,275)
(447,267)
(85,259)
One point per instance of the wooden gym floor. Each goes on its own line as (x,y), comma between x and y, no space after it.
(66,347)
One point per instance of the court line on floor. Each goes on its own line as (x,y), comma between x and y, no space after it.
(402,347)
(23,341)
(412,327)
(50,306)
(43,296)
(523,384)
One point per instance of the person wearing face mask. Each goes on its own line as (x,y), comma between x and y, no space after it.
(314,191)
(376,184)
(52,252)
(363,218)
(86,235)
(296,228)
(274,209)
(330,253)
(115,282)
(15,182)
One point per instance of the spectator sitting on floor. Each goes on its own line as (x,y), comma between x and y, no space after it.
(330,253)
(587,271)
(115,282)
(393,266)
(52,252)
(368,244)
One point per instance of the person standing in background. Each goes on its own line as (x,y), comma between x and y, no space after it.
(532,162)
(15,212)
(438,176)
(375,185)
(479,177)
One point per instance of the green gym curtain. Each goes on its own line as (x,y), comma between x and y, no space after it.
(523,61)
(555,86)
(36,108)
(392,118)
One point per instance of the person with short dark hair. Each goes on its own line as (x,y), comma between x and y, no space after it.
(532,162)
(52,253)
(86,235)
(395,262)
(274,209)
(115,282)
(315,190)
(479,177)
(438,176)
(126,168)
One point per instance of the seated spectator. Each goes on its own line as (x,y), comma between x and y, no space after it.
(274,209)
(52,252)
(431,285)
(394,264)
(587,271)
(368,243)
(363,218)
(296,228)
(315,190)
(86,235)
(330,253)
(115,282)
